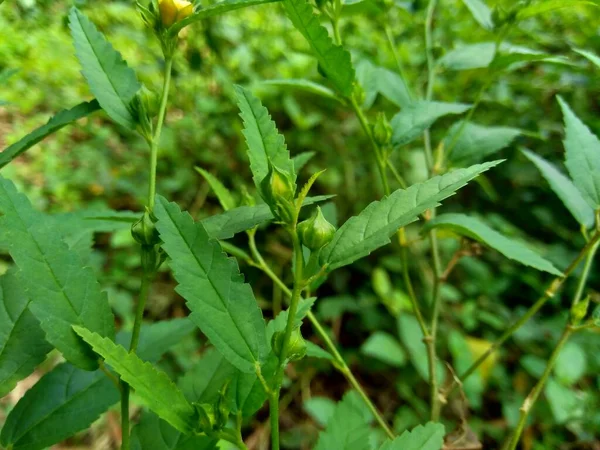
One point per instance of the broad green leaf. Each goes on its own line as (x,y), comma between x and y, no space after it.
(265,144)
(62,403)
(411,336)
(62,291)
(428,437)
(156,434)
(372,228)
(153,387)
(414,119)
(223,194)
(202,383)
(391,85)
(565,403)
(314,351)
(544,6)
(242,218)
(321,409)
(305,85)
(222,305)
(477,230)
(334,60)
(564,188)
(571,364)
(346,429)
(111,81)
(301,160)
(592,57)
(477,142)
(22,342)
(385,348)
(582,156)
(467,57)
(481,13)
(60,120)
(215,9)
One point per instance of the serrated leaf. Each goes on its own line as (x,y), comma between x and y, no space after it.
(156,434)
(481,232)
(22,341)
(542,7)
(592,57)
(468,57)
(222,305)
(62,291)
(202,383)
(215,9)
(304,85)
(481,13)
(279,323)
(346,429)
(477,142)
(111,81)
(582,156)
(242,218)
(153,387)
(60,120)
(62,403)
(428,437)
(564,188)
(301,160)
(334,60)
(223,194)
(265,144)
(384,347)
(372,228)
(414,119)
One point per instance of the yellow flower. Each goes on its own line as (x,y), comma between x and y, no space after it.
(172,11)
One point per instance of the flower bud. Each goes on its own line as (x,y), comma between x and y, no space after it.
(221,408)
(144,230)
(382,130)
(278,191)
(579,311)
(315,233)
(206,416)
(297,348)
(172,11)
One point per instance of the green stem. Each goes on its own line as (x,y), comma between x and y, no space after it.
(586,272)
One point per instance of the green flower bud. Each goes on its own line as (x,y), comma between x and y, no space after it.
(296,349)
(221,408)
(144,230)
(579,311)
(315,233)
(382,130)
(278,191)
(206,416)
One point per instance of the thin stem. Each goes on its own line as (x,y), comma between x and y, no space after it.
(411,291)
(586,271)
(397,175)
(124,416)
(139,311)
(390,38)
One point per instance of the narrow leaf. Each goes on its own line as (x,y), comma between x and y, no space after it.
(223,194)
(481,13)
(346,429)
(565,189)
(481,232)
(222,305)
(542,7)
(156,434)
(61,290)
(60,120)
(305,85)
(372,228)
(22,342)
(413,120)
(583,156)
(153,387)
(333,59)
(111,81)
(428,437)
(265,144)
(477,142)
(592,57)
(62,403)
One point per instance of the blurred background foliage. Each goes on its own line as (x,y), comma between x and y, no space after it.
(96,163)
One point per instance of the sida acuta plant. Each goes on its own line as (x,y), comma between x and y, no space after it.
(57,301)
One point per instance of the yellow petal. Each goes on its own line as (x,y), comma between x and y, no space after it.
(168,12)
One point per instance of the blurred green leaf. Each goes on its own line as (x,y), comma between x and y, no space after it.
(468,57)
(571,364)
(428,437)
(225,198)
(477,142)
(481,13)
(305,85)
(544,6)
(385,348)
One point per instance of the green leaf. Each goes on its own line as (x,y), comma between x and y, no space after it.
(414,119)
(372,228)
(215,9)
(477,142)
(389,84)
(592,57)
(60,120)
(481,13)
(222,305)
(321,409)
(202,383)
(305,85)
(428,437)
(62,403)
(412,337)
(156,434)
(571,364)
(564,403)
(111,81)
(265,144)
(468,57)
(513,57)
(564,188)
(314,351)
(334,60)
(61,290)
(346,428)
(385,348)
(280,322)
(583,156)
(301,160)
(242,218)
(481,232)
(153,387)
(544,6)
(22,342)
(223,194)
